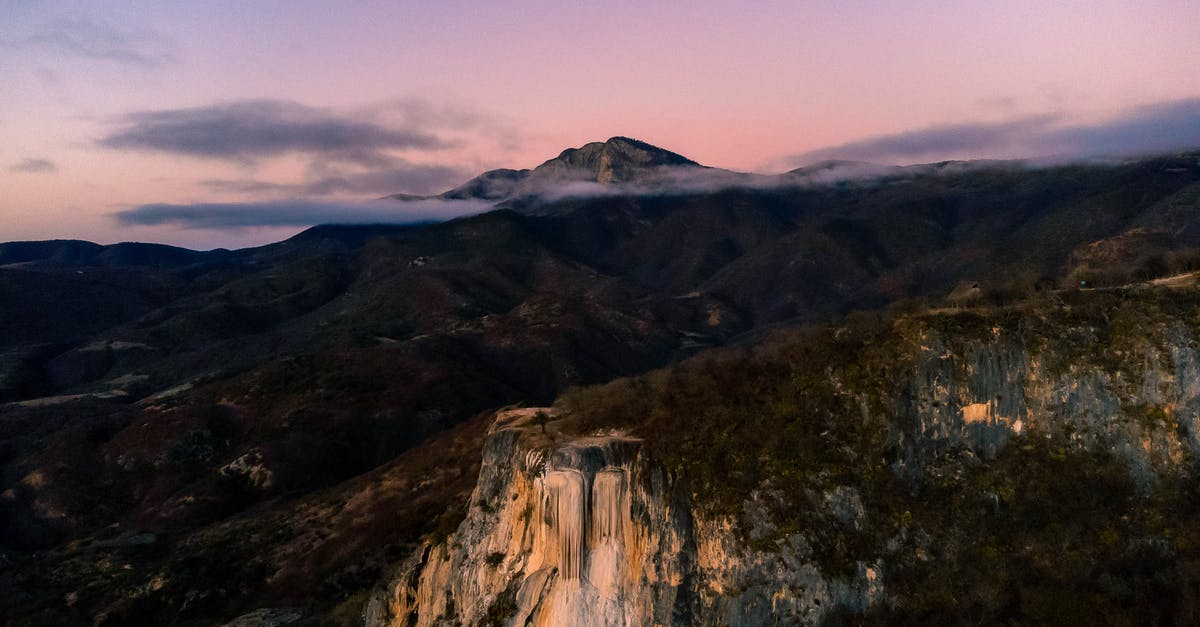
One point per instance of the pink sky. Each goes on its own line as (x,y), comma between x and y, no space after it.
(735,85)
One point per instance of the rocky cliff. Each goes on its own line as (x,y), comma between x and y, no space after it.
(967,410)
(1137,397)
(586,531)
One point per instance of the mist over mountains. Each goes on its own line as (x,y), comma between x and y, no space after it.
(619,166)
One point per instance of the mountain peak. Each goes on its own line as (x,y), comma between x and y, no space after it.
(617,160)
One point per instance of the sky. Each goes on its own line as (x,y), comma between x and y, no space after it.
(164,121)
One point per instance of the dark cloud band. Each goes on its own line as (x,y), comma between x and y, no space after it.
(406,177)
(252,129)
(1150,129)
(97,40)
(243,215)
(34,165)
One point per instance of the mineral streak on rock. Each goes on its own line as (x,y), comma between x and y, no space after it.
(566,508)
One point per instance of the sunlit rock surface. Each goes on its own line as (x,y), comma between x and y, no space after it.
(584,532)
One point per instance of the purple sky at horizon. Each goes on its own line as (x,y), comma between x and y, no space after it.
(108,107)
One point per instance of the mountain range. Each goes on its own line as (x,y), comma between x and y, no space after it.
(187,436)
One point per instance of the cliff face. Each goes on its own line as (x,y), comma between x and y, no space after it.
(589,531)
(586,532)
(1135,396)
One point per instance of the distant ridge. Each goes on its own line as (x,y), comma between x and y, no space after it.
(77,253)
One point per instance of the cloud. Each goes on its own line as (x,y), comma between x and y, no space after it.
(34,165)
(936,142)
(325,180)
(360,151)
(96,40)
(423,113)
(248,130)
(219,216)
(684,180)
(662,180)
(1157,128)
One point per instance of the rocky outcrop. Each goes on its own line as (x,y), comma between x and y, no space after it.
(586,532)
(1138,398)
(618,160)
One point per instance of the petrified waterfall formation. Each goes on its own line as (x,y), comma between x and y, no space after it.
(583,539)
(566,507)
(568,518)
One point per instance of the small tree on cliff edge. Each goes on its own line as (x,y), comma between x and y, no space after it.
(541,418)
